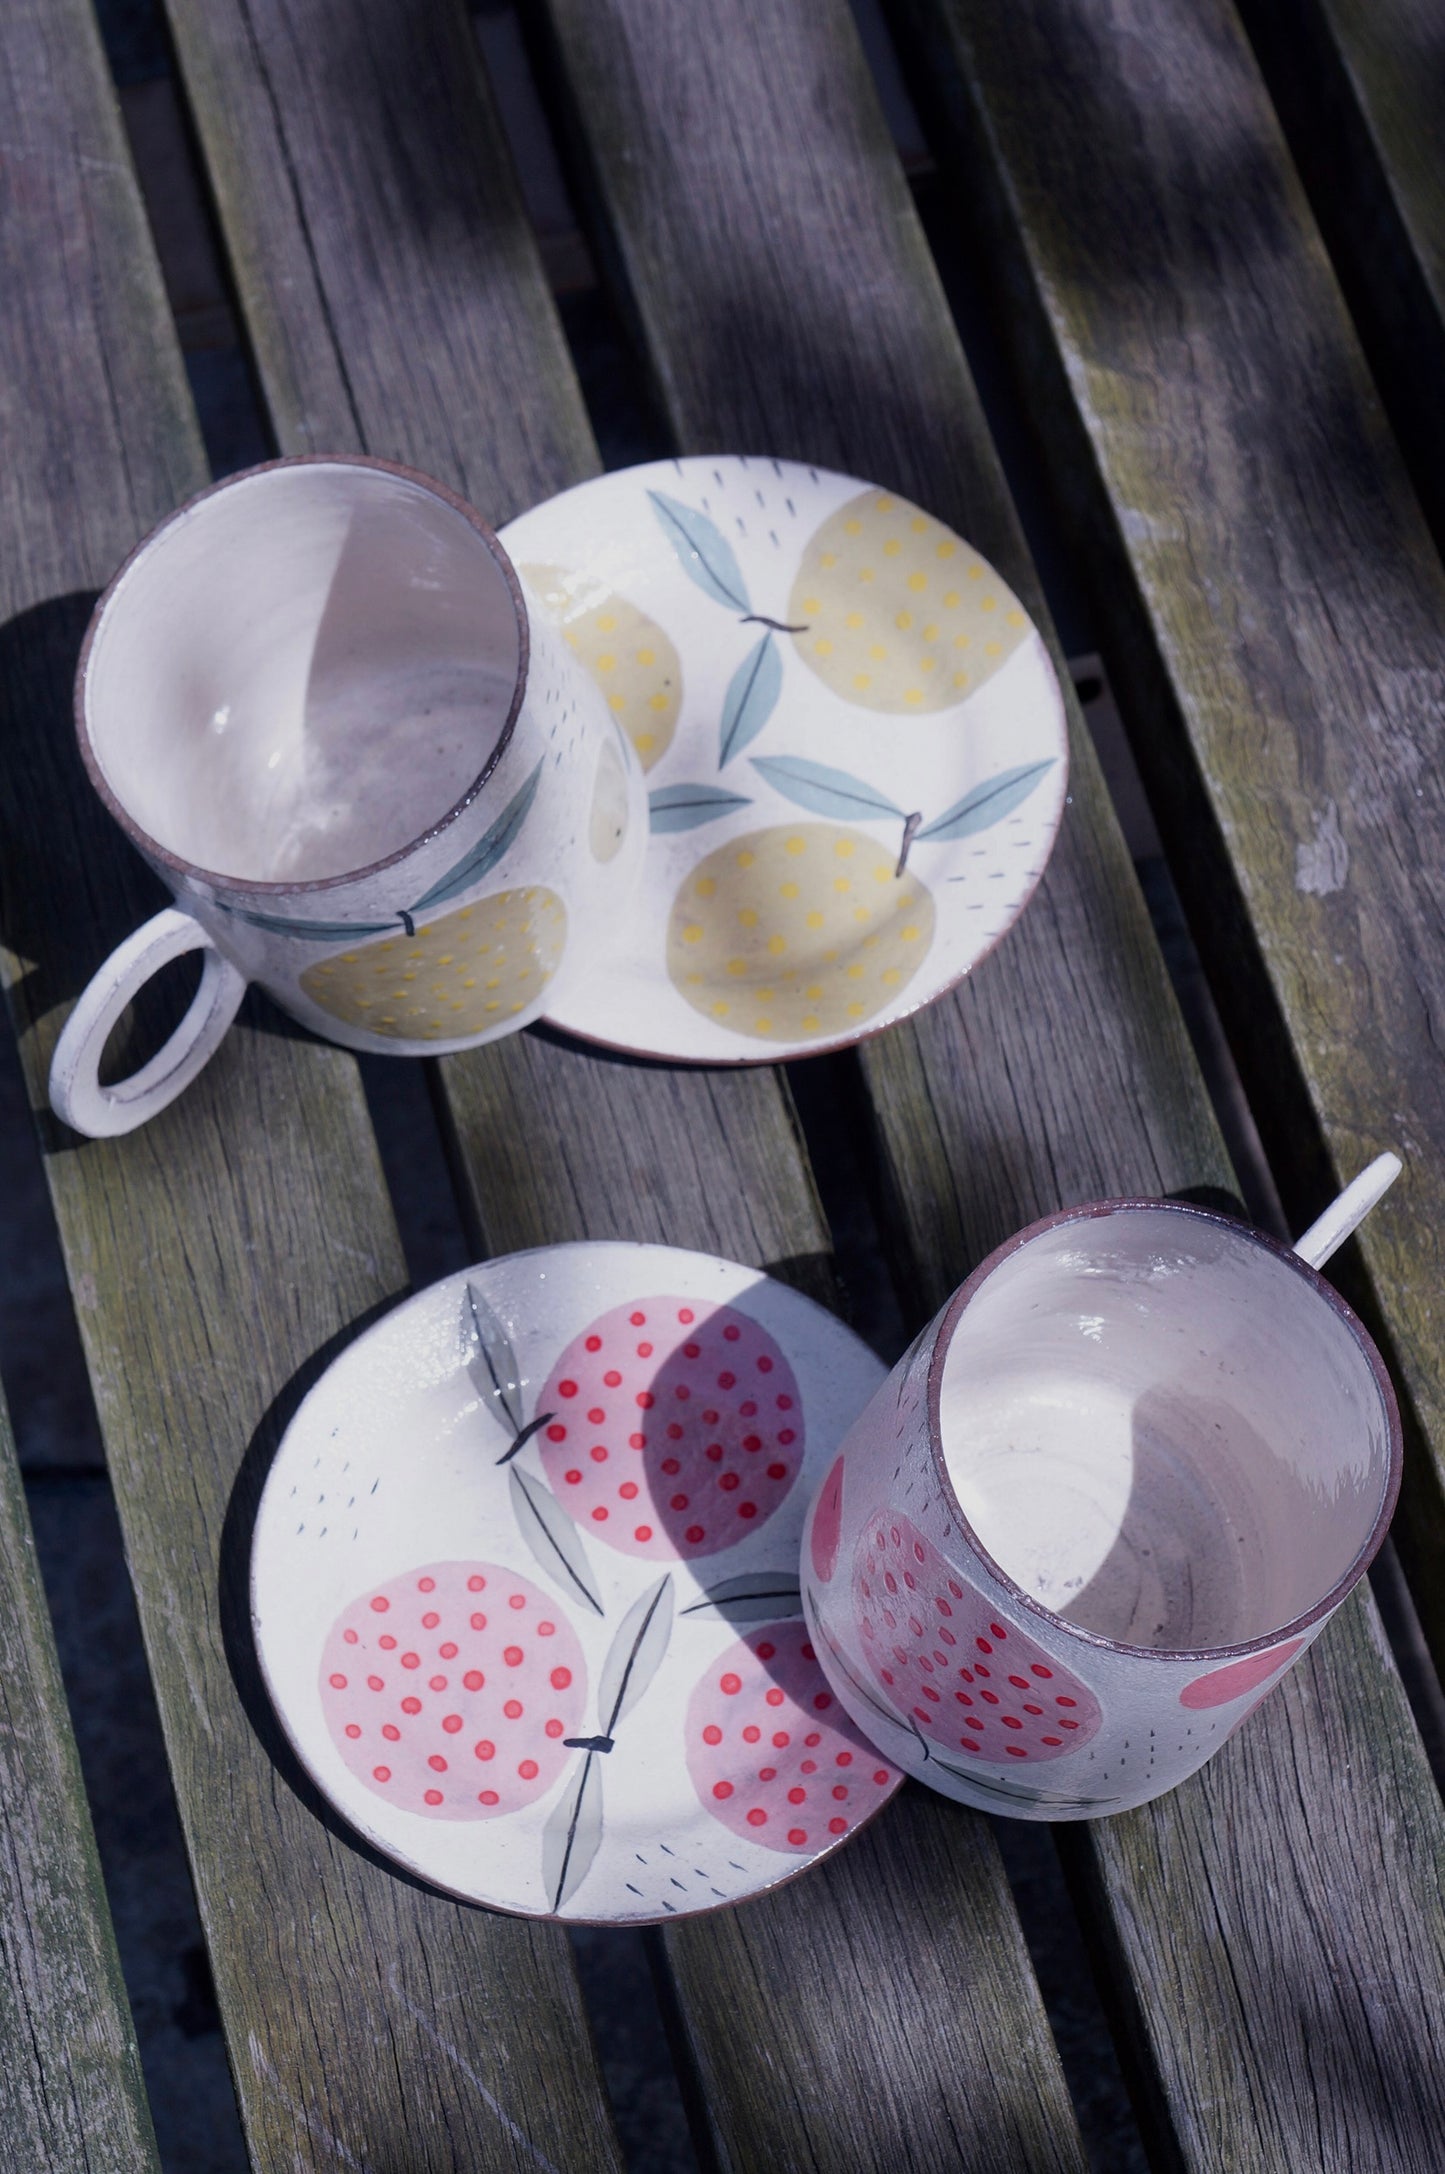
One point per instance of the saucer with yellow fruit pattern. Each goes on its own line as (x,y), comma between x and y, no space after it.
(853,738)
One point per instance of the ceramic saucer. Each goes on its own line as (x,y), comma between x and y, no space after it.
(525,1584)
(853,736)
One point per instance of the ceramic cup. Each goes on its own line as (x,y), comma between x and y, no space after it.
(1103,1502)
(375,782)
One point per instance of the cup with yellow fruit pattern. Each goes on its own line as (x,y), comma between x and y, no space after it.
(372,773)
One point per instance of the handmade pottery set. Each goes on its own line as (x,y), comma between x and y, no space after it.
(610,1581)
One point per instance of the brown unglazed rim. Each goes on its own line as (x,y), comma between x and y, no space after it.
(1094,1210)
(249,885)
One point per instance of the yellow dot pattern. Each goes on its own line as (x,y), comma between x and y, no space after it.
(632,660)
(471,970)
(900,615)
(797,932)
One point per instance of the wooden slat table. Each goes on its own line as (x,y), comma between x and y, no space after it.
(1270,1939)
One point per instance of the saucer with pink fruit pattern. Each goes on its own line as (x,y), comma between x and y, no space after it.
(524,1584)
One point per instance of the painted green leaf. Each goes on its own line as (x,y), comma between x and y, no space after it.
(703,551)
(488,849)
(988,803)
(683,807)
(573,1833)
(553,1538)
(753,1596)
(316,932)
(839,1660)
(635,1654)
(827,792)
(491,1362)
(1082,1807)
(751,698)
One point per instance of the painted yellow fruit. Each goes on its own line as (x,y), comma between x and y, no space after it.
(896,612)
(470,970)
(632,660)
(800,931)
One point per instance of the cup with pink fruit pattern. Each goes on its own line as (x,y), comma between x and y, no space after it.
(1102,1503)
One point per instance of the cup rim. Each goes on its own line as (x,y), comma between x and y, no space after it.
(1094,1210)
(251,886)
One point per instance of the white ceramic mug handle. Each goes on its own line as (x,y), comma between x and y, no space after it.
(76,1093)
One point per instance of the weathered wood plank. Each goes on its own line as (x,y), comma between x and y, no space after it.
(72,2099)
(743,144)
(370,210)
(218,1257)
(1275,611)
(554,1142)
(1357,85)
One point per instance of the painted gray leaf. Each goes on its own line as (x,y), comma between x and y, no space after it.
(826,791)
(553,1538)
(703,551)
(488,849)
(491,1361)
(840,1661)
(753,1596)
(573,1833)
(751,698)
(683,807)
(988,803)
(316,932)
(635,1654)
(1082,1807)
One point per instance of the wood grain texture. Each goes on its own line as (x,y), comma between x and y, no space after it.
(554,1142)
(370,210)
(743,143)
(71,2095)
(218,1258)
(1358,86)
(1274,609)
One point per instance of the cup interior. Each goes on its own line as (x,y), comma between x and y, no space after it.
(1163,1431)
(302,672)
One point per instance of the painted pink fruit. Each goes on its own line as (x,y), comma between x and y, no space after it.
(450,1690)
(971,1682)
(828,1523)
(771,1752)
(1236,1677)
(675,1427)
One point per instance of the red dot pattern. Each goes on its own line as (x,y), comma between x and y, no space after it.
(771,1752)
(678,1428)
(944,1659)
(467,1720)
